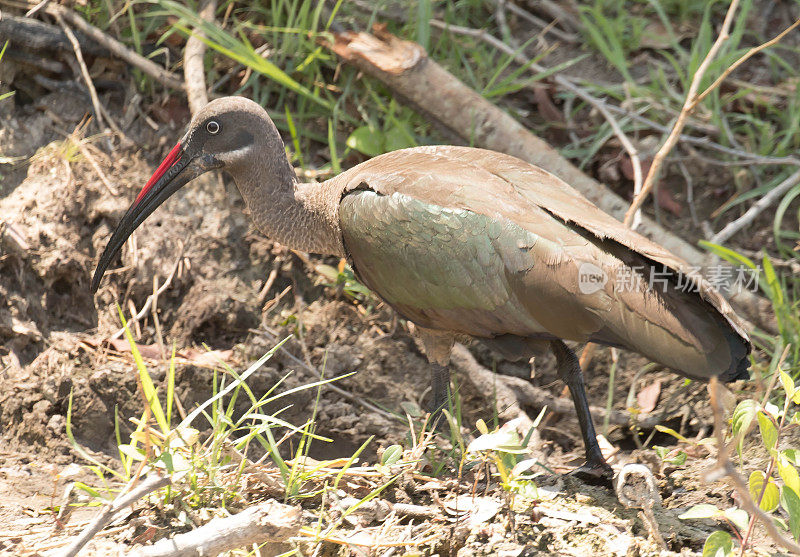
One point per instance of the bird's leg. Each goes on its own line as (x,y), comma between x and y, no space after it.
(569,370)
(440,385)
(438,345)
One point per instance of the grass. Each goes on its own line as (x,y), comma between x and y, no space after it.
(7,94)
(213,471)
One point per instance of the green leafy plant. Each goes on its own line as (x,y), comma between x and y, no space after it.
(239,49)
(614,31)
(506,450)
(344,280)
(395,133)
(774,489)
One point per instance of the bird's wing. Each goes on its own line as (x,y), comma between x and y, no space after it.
(545,221)
(454,269)
(553,194)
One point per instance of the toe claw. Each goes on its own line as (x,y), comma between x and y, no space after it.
(594,473)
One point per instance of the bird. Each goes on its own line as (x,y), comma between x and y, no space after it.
(466,241)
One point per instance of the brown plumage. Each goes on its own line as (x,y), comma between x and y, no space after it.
(468,241)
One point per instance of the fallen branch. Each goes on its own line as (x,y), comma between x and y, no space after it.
(31,35)
(376,510)
(406,70)
(756,209)
(116,48)
(194,70)
(508,400)
(148,485)
(513,392)
(268,522)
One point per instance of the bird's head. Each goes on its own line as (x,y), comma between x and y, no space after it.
(224,134)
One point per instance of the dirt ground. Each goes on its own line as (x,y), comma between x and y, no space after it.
(57,211)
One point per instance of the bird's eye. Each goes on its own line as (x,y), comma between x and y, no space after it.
(212,127)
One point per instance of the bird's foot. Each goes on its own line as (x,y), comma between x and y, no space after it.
(595,473)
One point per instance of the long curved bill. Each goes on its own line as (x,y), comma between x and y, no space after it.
(172,174)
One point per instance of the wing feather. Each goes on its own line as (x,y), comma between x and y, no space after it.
(484,243)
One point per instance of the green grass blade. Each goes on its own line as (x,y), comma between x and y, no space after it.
(295,139)
(351,460)
(335,164)
(170,385)
(424,15)
(149,389)
(194,413)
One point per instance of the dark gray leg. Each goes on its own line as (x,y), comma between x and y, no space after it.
(438,345)
(569,370)
(440,385)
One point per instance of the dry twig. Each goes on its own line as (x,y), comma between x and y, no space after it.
(117,48)
(749,54)
(693,99)
(674,135)
(346,394)
(705,142)
(756,209)
(149,302)
(726,468)
(546,27)
(148,485)
(557,11)
(99,111)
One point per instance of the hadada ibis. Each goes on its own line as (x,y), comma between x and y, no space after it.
(467,241)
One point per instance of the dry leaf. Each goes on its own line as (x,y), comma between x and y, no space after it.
(608,450)
(647,398)
(479,509)
(150,351)
(667,202)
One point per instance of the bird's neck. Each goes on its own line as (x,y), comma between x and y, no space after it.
(300,216)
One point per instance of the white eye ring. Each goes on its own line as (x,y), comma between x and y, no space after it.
(212,127)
